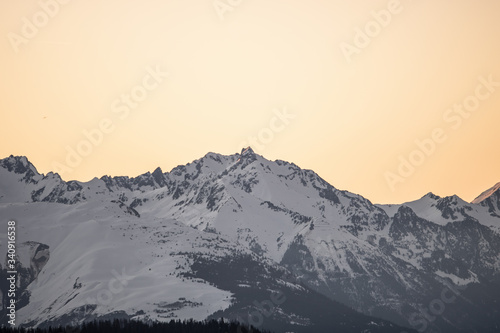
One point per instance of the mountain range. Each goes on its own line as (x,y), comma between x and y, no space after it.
(243,238)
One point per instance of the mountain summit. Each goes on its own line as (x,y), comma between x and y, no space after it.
(495,190)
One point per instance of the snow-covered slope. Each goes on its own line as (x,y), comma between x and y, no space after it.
(485,209)
(211,237)
(487,194)
(490,199)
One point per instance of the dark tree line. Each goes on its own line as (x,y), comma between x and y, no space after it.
(128,326)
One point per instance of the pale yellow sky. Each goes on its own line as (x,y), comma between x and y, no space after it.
(341,87)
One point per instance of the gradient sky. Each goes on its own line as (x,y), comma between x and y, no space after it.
(230,73)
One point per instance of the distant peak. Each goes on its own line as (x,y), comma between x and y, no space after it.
(405,212)
(431,196)
(18,164)
(157,171)
(247,150)
(488,193)
(158,177)
(247,155)
(16,159)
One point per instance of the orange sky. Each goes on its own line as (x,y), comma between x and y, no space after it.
(345,88)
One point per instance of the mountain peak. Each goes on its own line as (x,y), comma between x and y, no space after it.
(157,171)
(18,164)
(488,193)
(246,151)
(247,156)
(431,196)
(405,212)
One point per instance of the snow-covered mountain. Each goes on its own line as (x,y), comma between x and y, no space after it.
(264,242)
(491,199)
